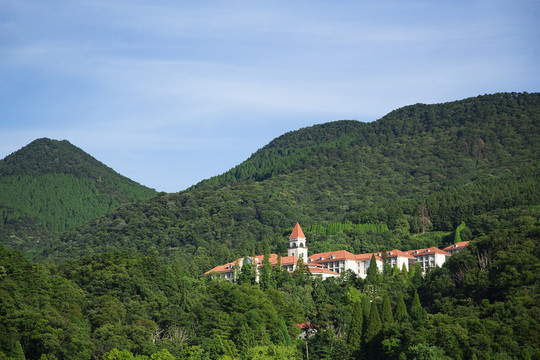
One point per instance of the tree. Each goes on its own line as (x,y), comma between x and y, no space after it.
(299,275)
(354,335)
(401,314)
(387,318)
(265,278)
(18,353)
(374,325)
(423,218)
(247,273)
(373,271)
(418,314)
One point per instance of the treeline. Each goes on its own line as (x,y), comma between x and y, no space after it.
(482,304)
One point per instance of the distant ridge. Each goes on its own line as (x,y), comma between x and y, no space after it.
(57,185)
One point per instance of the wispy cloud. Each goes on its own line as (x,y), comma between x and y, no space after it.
(189,77)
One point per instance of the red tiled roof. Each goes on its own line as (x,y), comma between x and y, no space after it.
(457,246)
(221,268)
(289,260)
(431,250)
(307,325)
(322,271)
(332,256)
(367,256)
(297,232)
(398,253)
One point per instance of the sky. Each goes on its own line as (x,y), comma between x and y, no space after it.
(170,92)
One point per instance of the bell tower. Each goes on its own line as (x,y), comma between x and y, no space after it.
(297,243)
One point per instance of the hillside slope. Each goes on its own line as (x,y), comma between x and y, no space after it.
(51,186)
(447,159)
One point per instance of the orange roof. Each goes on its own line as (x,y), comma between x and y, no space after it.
(332,256)
(431,250)
(398,253)
(457,246)
(297,232)
(222,268)
(367,256)
(322,271)
(289,260)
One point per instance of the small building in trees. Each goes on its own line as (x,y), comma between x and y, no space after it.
(430,257)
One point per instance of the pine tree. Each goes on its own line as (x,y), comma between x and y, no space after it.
(247,275)
(418,314)
(366,307)
(18,353)
(401,314)
(265,279)
(354,335)
(298,274)
(278,273)
(386,318)
(373,271)
(374,325)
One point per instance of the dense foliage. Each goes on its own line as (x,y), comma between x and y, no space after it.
(57,185)
(483,304)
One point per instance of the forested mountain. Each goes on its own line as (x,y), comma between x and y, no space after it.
(50,186)
(420,168)
(127,284)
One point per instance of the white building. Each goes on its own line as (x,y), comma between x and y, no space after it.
(333,263)
(430,257)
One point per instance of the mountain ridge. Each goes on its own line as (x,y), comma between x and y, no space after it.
(445,157)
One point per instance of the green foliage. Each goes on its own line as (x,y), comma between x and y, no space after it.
(401,314)
(457,233)
(354,334)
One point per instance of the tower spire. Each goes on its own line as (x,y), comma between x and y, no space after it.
(297,243)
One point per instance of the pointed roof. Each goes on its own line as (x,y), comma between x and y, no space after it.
(297,232)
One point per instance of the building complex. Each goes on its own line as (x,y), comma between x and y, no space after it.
(333,263)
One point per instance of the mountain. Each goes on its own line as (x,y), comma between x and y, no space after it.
(50,186)
(419,168)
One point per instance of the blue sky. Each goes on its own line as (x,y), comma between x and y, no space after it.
(169,93)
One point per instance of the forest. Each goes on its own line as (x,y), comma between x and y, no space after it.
(482,304)
(95,266)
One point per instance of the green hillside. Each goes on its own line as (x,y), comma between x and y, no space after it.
(482,304)
(51,186)
(421,168)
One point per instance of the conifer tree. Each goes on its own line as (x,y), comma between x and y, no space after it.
(418,314)
(18,353)
(374,325)
(372,271)
(298,274)
(276,272)
(354,335)
(386,318)
(247,275)
(265,278)
(366,307)
(401,314)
